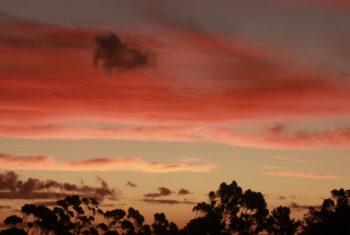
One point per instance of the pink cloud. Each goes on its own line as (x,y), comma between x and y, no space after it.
(283,139)
(46,163)
(149,133)
(307,175)
(290,159)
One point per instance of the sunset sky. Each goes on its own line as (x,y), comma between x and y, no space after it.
(153,104)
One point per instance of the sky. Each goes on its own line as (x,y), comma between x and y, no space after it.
(153,104)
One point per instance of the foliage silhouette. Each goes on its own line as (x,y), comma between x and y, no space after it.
(229,210)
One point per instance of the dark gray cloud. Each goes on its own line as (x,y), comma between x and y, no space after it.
(166,201)
(119,55)
(13,188)
(162,192)
(4,207)
(296,206)
(183,192)
(130,184)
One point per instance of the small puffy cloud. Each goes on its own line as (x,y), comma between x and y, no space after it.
(297,206)
(162,192)
(130,184)
(183,192)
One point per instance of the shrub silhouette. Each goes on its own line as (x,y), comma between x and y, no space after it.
(229,210)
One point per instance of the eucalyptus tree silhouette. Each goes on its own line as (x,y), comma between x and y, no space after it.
(280,223)
(230,210)
(332,218)
(161,225)
(13,220)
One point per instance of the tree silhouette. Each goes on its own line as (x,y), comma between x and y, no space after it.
(332,218)
(229,210)
(280,223)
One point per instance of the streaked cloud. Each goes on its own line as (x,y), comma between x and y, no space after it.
(307,175)
(167,201)
(45,163)
(282,139)
(297,206)
(148,133)
(201,77)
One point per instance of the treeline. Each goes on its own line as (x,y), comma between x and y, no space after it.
(229,210)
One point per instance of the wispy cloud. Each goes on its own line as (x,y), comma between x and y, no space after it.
(298,174)
(98,164)
(167,201)
(271,167)
(290,159)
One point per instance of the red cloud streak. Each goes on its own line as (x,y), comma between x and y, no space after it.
(48,77)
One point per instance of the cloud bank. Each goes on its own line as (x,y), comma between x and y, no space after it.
(11,187)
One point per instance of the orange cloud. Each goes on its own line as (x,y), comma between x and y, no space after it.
(307,175)
(46,163)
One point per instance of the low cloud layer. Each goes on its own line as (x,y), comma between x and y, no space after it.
(11,187)
(46,163)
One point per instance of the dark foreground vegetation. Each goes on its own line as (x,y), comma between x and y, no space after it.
(229,210)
